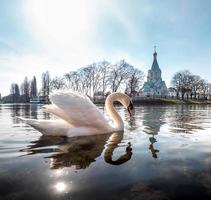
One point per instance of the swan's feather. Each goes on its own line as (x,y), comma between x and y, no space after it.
(49,127)
(77,109)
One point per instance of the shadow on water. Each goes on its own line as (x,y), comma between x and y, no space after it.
(79,151)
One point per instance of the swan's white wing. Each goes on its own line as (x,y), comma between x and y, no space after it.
(49,127)
(78,110)
(53,109)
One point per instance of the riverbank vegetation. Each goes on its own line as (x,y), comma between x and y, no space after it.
(103,77)
(186,85)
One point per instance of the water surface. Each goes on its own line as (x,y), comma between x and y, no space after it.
(164,153)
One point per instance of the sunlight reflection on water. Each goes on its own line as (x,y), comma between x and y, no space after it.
(60,187)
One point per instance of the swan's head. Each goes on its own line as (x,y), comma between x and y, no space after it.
(126,101)
(122,98)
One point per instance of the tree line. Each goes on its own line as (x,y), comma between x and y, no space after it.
(28,89)
(104,77)
(186,85)
(96,78)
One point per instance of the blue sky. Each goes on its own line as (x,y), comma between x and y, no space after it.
(63,35)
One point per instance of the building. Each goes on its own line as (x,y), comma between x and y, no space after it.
(99,97)
(154,86)
(39,100)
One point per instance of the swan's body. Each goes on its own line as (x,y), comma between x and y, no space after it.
(79,116)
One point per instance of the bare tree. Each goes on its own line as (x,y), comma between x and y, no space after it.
(181,82)
(73,80)
(68,77)
(87,82)
(176,83)
(57,83)
(119,73)
(26,89)
(89,79)
(90,74)
(187,82)
(45,83)
(184,83)
(21,89)
(135,81)
(104,69)
(15,92)
(172,92)
(195,85)
(33,87)
(99,77)
(209,91)
(95,78)
(204,89)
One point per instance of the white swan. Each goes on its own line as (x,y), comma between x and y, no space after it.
(79,116)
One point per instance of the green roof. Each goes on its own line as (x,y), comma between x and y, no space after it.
(155,65)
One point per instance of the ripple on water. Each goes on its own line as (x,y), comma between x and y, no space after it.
(163,154)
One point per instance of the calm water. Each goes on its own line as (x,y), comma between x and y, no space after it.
(164,153)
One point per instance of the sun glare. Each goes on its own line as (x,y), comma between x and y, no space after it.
(60,21)
(60,187)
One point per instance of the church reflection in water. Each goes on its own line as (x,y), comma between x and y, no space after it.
(81,151)
(153,119)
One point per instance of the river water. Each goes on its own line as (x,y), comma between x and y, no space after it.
(164,153)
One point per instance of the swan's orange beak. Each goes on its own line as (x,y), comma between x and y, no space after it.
(130,108)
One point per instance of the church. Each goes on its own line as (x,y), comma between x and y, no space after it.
(154,86)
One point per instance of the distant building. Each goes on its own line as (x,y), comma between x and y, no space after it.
(39,99)
(154,86)
(99,96)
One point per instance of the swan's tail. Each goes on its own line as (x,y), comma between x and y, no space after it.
(32,122)
(28,121)
(48,127)
(40,125)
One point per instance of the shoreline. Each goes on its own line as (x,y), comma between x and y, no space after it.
(158,101)
(161,101)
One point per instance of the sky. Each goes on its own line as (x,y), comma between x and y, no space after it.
(64,35)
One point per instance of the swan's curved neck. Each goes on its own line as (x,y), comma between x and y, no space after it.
(118,123)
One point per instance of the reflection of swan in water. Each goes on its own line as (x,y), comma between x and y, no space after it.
(113,142)
(79,151)
(79,116)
